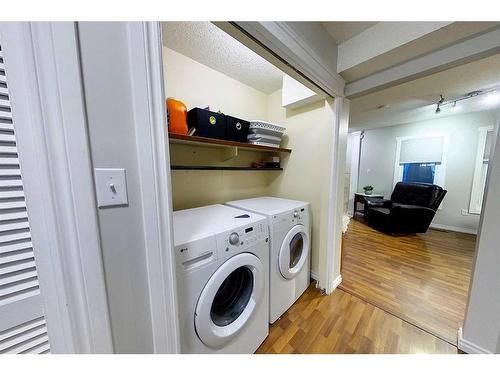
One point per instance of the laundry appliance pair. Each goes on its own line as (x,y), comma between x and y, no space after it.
(239,267)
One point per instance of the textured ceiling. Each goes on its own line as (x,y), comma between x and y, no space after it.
(414,100)
(206,43)
(342,31)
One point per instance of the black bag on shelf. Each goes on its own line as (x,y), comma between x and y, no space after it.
(208,124)
(236,129)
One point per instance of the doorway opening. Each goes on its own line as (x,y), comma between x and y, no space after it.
(212,74)
(416,172)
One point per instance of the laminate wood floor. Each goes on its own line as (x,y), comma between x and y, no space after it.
(423,278)
(342,323)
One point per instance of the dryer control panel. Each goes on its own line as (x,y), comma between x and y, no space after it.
(239,239)
(299,215)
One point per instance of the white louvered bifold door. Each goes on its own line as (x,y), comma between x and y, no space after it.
(22,323)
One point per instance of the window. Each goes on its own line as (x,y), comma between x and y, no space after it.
(421,159)
(484,148)
(419,172)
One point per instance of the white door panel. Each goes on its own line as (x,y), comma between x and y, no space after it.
(294,252)
(215,328)
(22,324)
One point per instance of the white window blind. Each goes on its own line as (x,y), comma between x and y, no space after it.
(422,150)
(22,322)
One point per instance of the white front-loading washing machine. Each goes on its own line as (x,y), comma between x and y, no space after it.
(222,262)
(290,230)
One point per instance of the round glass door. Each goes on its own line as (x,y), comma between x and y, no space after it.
(232,297)
(229,299)
(294,252)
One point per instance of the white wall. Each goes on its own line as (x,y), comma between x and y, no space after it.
(306,174)
(378,152)
(199,86)
(108,90)
(481,332)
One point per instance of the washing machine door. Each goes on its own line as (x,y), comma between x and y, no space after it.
(294,252)
(229,299)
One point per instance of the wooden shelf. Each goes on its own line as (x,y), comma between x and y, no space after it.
(218,168)
(222,143)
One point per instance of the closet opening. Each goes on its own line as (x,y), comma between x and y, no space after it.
(210,74)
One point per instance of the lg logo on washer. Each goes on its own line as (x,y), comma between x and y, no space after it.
(196,253)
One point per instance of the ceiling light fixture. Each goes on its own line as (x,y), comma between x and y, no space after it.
(438,104)
(491,98)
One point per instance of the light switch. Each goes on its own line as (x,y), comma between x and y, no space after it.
(111,187)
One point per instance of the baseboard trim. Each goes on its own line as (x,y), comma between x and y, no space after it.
(454,229)
(314,275)
(336,282)
(346,220)
(469,347)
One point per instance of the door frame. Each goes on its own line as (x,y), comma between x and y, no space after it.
(145,46)
(51,131)
(333,277)
(150,117)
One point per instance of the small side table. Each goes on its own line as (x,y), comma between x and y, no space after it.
(361,198)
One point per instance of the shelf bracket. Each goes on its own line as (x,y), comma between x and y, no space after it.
(229,153)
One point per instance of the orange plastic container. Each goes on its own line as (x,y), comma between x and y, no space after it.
(177,116)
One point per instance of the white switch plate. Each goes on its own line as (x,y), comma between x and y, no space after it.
(111,187)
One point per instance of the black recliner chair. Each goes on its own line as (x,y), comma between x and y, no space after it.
(410,210)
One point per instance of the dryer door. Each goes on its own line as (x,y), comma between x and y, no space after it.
(229,299)
(294,252)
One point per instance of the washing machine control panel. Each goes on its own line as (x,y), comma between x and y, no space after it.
(236,240)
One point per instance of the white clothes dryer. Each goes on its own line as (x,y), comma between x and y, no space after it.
(290,230)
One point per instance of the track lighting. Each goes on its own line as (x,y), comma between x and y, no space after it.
(438,105)
(491,98)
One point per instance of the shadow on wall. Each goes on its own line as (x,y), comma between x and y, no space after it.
(291,112)
(306,173)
